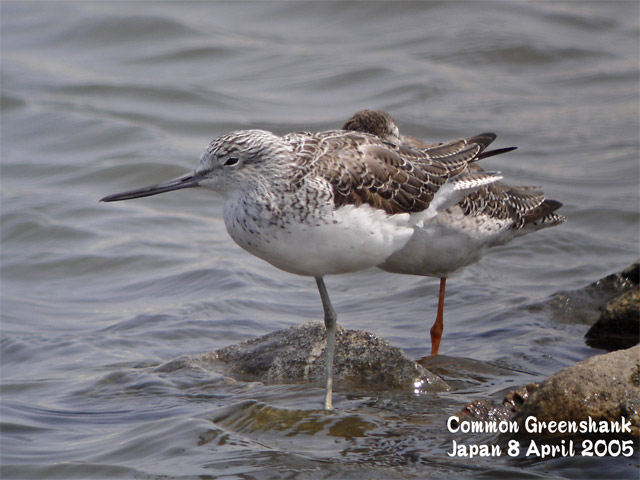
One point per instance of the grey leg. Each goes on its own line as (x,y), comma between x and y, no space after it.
(330,323)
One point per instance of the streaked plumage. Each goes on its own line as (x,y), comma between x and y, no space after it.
(333,202)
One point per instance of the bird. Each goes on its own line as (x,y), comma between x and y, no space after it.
(467,225)
(332,202)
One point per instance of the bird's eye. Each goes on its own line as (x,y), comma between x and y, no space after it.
(231,161)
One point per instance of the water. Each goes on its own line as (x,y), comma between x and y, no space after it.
(106,308)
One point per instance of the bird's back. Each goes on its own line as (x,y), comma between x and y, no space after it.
(363,169)
(460,231)
(524,207)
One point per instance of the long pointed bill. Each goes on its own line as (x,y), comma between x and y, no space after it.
(186,181)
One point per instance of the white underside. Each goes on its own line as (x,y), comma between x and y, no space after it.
(346,240)
(447,242)
(316,240)
(444,238)
(435,242)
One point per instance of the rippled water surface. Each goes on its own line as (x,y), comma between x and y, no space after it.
(106,306)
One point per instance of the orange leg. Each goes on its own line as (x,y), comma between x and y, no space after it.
(436,329)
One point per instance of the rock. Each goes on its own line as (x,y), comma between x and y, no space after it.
(619,324)
(605,387)
(585,304)
(620,281)
(485,411)
(490,411)
(296,355)
(516,398)
(632,273)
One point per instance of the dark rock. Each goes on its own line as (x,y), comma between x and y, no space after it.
(585,304)
(603,388)
(484,410)
(297,355)
(632,273)
(619,324)
(515,398)
(490,411)
(622,280)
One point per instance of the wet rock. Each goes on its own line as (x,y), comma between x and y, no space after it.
(603,388)
(490,411)
(297,355)
(484,410)
(516,398)
(584,305)
(619,282)
(632,273)
(619,325)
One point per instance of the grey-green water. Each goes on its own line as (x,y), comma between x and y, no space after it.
(103,305)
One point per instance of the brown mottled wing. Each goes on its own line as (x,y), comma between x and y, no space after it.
(522,205)
(361,169)
(454,155)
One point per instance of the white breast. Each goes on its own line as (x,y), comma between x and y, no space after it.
(329,242)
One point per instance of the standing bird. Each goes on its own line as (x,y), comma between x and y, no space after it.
(316,204)
(466,222)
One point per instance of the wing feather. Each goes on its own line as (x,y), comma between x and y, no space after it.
(401,174)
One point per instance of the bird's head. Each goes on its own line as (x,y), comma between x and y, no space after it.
(234,161)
